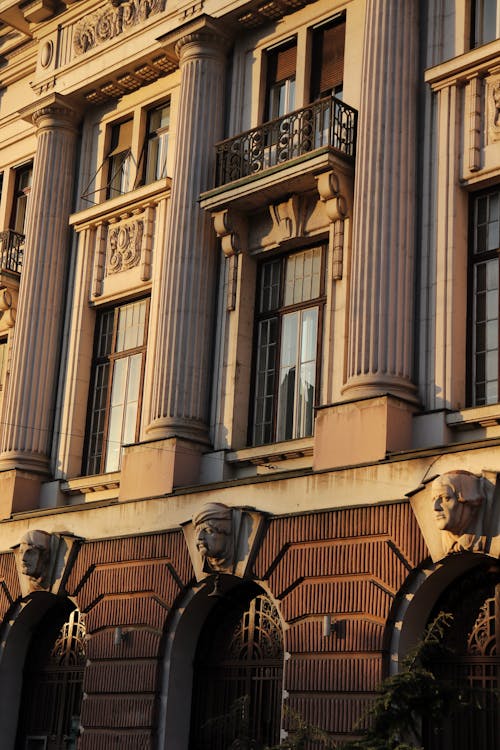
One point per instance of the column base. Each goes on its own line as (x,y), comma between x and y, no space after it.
(357,432)
(369,386)
(172,427)
(158,467)
(19,491)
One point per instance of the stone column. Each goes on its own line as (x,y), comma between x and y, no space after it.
(380,349)
(28,412)
(186,294)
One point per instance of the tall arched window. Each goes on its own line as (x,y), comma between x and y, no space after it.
(474,662)
(52,682)
(238,674)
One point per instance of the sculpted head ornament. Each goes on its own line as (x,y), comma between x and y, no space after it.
(457,497)
(35,547)
(214,536)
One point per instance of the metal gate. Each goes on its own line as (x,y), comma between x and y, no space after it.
(238,676)
(52,685)
(474,666)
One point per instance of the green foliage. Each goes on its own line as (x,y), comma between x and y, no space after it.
(301,733)
(404,698)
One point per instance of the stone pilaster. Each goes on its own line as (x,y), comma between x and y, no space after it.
(28,412)
(185,297)
(380,353)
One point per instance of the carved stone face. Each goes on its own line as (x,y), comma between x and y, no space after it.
(213,527)
(35,554)
(456,500)
(213,538)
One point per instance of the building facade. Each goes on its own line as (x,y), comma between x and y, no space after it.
(249,364)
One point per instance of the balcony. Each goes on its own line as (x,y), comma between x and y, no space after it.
(11,251)
(283,155)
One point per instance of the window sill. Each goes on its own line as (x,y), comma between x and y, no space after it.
(474,417)
(114,207)
(91,488)
(274,453)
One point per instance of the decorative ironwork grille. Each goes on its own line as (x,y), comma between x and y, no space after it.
(11,251)
(327,122)
(238,678)
(474,666)
(52,691)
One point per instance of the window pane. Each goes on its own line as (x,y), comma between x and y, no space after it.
(265,373)
(270,286)
(303,276)
(157,143)
(485,332)
(484,16)
(287,378)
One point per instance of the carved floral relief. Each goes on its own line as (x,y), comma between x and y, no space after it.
(124,246)
(112,20)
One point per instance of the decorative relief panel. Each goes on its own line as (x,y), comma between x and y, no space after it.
(112,20)
(124,246)
(493,98)
(460,512)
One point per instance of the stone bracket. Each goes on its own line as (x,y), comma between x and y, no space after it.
(288,218)
(332,191)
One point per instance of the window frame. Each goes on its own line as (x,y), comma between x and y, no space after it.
(150,136)
(20,197)
(477,14)
(474,259)
(285,50)
(91,459)
(280,312)
(119,158)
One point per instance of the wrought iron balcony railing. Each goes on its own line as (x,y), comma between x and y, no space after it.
(11,251)
(326,122)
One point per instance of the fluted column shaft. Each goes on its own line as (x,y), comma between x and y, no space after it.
(380,349)
(186,294)
(28,412)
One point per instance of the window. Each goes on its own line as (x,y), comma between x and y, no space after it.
(22,188)
(120,353)
(327,68)
(156,144)
(281,66)
(289,307)
(485,248)
(3,360)
(485,22)
(119,159)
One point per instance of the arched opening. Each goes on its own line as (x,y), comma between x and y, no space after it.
(473,662)
(238,674)
(52,681)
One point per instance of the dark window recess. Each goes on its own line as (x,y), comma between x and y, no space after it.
(327,70)
(22,188)
(485,21)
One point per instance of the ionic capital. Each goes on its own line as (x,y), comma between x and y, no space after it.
(52,112)
(203,37)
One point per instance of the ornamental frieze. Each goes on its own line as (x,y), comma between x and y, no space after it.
(111,21)
(124,246)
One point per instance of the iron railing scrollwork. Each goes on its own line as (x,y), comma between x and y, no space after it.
(328,122)
(11,250)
